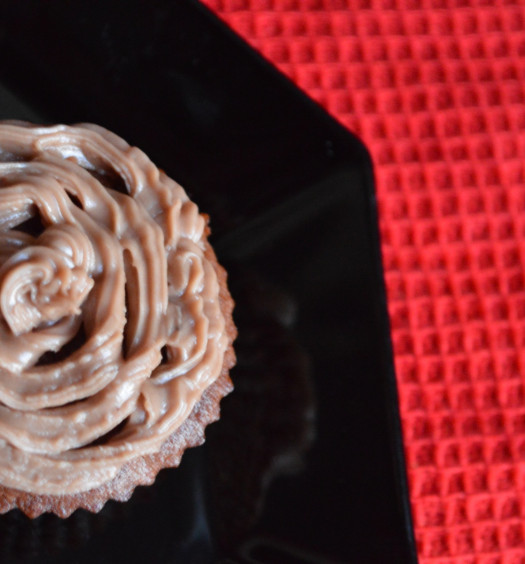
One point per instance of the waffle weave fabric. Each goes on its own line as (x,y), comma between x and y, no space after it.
(436,90)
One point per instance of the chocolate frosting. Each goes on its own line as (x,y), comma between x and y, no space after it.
(110,322)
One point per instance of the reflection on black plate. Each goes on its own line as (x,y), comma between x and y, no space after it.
(306,464)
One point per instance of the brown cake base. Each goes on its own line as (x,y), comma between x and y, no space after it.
(143,470)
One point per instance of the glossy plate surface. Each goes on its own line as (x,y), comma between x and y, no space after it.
(306,464)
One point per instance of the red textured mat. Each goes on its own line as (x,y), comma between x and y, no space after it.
(436,89)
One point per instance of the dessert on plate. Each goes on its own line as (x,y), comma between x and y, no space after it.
(116,323)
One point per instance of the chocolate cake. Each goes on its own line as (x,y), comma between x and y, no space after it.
(116,323)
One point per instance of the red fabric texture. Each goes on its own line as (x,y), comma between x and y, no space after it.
(436,89)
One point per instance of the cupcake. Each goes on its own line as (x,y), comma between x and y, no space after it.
(116,323)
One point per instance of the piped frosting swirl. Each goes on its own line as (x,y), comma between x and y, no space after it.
(110,321)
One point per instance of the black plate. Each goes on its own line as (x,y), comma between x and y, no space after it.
(306,464)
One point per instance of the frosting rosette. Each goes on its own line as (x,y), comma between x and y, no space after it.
(111,325)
